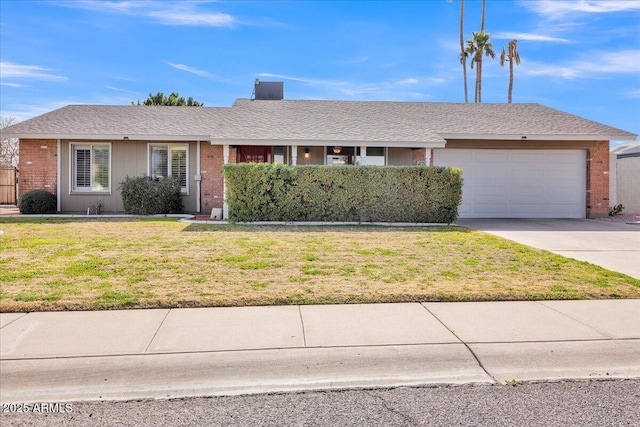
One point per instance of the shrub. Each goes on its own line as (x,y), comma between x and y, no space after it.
(265,192)
(38,202)
(145,196)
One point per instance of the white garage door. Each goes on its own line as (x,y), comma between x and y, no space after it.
(519,183)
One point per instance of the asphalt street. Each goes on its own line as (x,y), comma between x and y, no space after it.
(587,403)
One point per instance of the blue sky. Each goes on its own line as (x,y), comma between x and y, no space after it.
(579,56)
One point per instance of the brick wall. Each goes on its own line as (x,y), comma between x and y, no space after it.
(38,165)
(211,186)
(598,180)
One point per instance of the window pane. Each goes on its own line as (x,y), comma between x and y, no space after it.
(159,162)
(179,164)
(82,168)
(100,167)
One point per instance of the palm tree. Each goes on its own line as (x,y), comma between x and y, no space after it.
(511,57)
(463,54)
(477,48)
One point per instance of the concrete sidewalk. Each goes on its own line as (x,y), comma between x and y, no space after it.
(136,354)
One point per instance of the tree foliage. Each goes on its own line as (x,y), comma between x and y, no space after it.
(174,99)
(478,47)
(9,147)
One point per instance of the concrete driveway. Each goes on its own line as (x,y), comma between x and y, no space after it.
(614,246)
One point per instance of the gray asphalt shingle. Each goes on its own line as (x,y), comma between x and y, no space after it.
(302,120)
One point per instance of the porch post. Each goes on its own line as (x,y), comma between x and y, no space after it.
(363,155)
(225,160)
(294,155)
(427,156)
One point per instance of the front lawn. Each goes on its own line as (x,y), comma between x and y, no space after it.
(77,264)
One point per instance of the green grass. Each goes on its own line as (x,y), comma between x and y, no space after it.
(67,264)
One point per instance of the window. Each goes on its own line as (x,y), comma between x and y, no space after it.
(90,170)
(169,160)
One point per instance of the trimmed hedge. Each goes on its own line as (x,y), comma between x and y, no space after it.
(267,192)
(38,202)
(143,195)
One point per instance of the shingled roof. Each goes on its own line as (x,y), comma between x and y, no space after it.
(116,122)
(247,121)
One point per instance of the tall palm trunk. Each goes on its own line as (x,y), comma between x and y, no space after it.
(463,56)
(510,80)
(479,75)
(479,79)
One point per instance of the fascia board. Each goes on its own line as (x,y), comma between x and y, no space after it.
(113,138)
(535,137)
(317,143)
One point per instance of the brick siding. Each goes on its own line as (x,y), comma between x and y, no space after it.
(38,165)
(598,180)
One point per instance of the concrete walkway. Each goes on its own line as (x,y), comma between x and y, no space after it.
(612,245)
(137,354)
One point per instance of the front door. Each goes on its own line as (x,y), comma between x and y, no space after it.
(253,154)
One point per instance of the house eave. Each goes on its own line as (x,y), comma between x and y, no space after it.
(537,137)
(112,138)
(329,143)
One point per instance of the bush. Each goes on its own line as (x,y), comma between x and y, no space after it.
(265,192)
(38,202)
(145,196)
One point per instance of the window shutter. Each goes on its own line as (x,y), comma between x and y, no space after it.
(83,168)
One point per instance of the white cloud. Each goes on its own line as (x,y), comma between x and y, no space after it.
(15,85)
(385,89)
(307,80)
(191,70)
(529,37)
(409,81)
(354,61)
(179,13)
(117,89)
(11,70)
(192,18)
(599,64)
(635,94)
(554,9)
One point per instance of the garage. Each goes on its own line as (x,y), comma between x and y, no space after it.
(501,183)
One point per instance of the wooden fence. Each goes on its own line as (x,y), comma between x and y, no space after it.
(8,185)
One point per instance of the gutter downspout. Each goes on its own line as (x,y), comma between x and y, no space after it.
(198,178)
(58,177)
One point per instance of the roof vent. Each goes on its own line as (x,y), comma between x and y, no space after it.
(268,91)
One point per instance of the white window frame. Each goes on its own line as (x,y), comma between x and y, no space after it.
(184,190)
(73,147)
